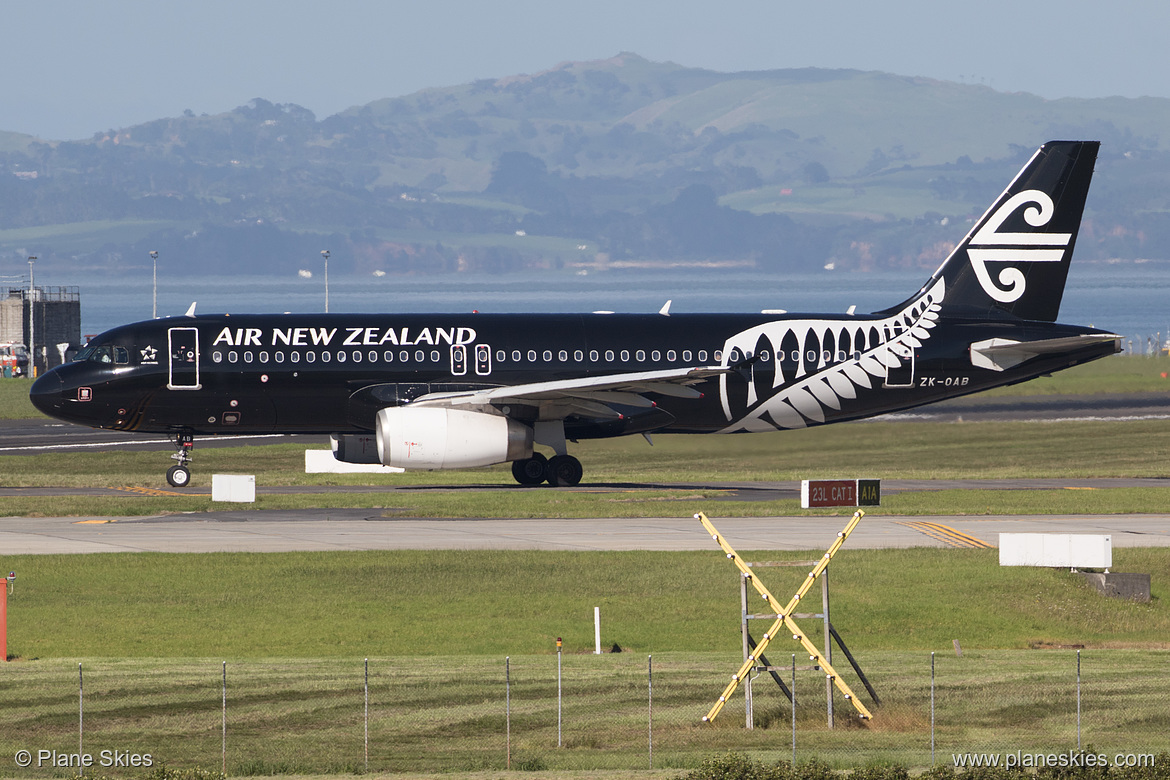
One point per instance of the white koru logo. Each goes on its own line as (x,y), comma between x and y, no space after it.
(989,245)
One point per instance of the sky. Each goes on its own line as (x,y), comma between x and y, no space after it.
(72,68)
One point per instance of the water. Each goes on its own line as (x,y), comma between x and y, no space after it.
(1130,299)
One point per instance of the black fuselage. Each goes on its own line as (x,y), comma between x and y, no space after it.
(295,373)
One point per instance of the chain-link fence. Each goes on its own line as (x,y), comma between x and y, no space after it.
(610,711)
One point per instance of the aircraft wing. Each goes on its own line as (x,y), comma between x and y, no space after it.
(1001,354)
(590,396)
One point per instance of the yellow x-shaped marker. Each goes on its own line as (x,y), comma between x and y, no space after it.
(783,617)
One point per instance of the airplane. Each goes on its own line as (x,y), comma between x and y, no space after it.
(450,391)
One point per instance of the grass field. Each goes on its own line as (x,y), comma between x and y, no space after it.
(482,602)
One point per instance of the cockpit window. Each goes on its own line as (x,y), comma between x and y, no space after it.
(104,354)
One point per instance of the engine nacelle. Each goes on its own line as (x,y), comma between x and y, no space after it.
(354,448)
(439,438)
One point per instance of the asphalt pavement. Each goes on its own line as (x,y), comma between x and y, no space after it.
(369,529)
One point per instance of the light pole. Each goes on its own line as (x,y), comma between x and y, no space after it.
(32,321)
(325,254)
(154,303)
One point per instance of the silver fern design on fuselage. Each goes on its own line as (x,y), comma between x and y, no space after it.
(803,368)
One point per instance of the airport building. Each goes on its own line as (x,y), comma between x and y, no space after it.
(48,317)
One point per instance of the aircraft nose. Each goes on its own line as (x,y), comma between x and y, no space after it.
(45,393)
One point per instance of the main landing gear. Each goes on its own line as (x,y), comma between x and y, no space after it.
(179,475)
(558,471)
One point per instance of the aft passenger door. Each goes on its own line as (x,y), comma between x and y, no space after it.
(903,374)
(183,363)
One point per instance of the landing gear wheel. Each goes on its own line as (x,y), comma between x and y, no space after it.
(564,471)
(530,471)
(179,476)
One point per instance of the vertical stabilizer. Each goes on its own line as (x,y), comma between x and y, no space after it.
(1015,260)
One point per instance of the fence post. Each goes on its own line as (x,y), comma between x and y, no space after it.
(80,716)
(1078,700)
(367,716)
(558,691)
(508,706)
(650,707)
(932,708)
(794,710)
(223,713)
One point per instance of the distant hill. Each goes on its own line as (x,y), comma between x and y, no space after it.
(605,164)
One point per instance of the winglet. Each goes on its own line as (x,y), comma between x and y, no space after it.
(665,310)
(191,311)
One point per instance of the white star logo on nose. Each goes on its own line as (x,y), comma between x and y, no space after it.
(149,354)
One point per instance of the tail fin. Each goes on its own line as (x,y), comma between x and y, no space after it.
(1015,260)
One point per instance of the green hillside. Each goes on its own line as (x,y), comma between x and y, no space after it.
(618,159)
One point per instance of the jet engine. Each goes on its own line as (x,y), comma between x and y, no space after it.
(440,438)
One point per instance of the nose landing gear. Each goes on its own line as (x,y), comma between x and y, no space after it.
(179,475)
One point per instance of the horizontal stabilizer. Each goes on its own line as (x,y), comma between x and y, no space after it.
(1002,354)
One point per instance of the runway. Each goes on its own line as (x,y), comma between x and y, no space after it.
(369,529)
